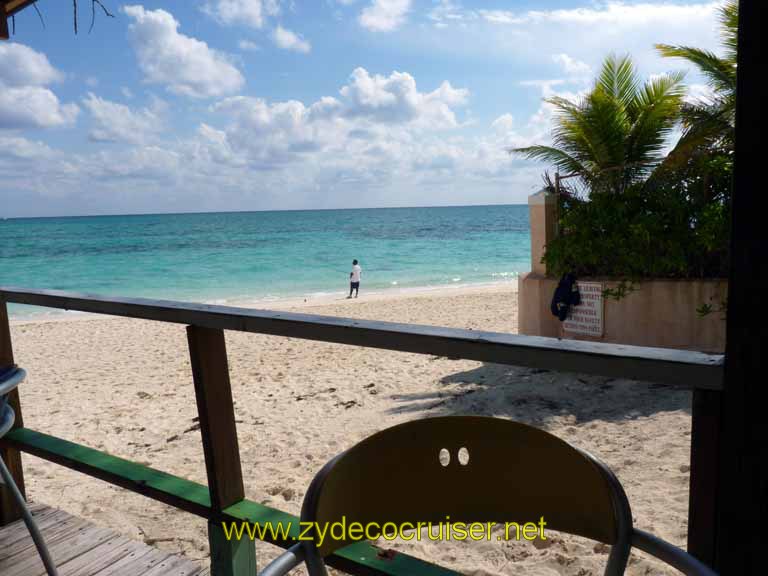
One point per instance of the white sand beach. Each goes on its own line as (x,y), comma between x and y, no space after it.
(125,386)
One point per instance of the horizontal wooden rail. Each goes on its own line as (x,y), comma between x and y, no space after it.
(687,369)
(359,559)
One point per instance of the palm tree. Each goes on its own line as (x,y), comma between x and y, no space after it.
(615,134)
(711,121)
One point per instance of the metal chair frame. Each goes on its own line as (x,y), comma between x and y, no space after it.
(353,483)
(9,380)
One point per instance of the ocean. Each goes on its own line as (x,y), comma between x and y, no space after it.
(247,257)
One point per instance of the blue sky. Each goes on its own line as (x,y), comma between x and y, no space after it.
(270,104)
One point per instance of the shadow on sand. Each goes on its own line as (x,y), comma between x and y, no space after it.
(536,396)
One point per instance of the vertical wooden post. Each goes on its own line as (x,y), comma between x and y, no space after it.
(4,35)
(213,392)
(9,510)
(742,480)
(705,443)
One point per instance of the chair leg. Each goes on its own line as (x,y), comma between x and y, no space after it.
(315,564)
(37,537)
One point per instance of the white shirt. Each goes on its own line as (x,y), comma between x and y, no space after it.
(356,270)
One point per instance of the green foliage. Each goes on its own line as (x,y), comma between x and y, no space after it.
(674,225)
(615,135)
(622,289)
(721,306)
(646,215)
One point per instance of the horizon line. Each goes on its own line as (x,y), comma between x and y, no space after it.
(257,211)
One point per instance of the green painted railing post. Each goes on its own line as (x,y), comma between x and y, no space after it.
(213,392)
(230,557)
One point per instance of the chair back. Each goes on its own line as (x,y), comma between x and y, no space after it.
(496,470)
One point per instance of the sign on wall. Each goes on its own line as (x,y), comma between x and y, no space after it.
(587,317)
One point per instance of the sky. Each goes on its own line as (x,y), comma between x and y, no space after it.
(230,105)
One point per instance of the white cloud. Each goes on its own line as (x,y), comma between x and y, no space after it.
(34,107)
(622,14)
(19,148)
(380,141)
(25,101)
(20,65)
(184,65)
(288,40)
(572,67)
(251,13)
(157,164)
(114,122)
(248,46)
(503,124)
(369,122)
(447,12)
(526,40)
(395,98)
(384,15)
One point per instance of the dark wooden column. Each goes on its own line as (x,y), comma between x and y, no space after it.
(215,408)
(705,448)
(4,32)
(742,483)
(9,510)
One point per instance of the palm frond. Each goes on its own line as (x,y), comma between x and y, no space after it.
(559,158)
(615,134)
(721,73)
(729,28)
(618,78)
(660,101)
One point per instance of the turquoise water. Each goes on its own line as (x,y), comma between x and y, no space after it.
(245,257)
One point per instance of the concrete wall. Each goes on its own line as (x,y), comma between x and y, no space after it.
(658,313)
(542,215)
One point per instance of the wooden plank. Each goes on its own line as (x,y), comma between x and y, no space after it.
(7,9)
(80,548)
(9,509)
(682,368)
(742,479)
(98,559)
(26,561)
(138,558)
(13,6)
(18,540)
(84,542)
(176,565)
(213,393)
(177,492)
(9,536)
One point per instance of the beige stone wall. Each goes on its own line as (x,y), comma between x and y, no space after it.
(542,212)
(658,313)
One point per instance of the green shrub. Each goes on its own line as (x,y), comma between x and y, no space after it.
(674,225)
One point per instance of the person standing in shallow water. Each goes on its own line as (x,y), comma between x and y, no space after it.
(354,279)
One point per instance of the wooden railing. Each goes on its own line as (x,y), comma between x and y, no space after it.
(223,498)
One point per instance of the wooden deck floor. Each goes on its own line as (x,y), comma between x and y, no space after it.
(80,548)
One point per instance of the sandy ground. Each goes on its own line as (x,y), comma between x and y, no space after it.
(124,386)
